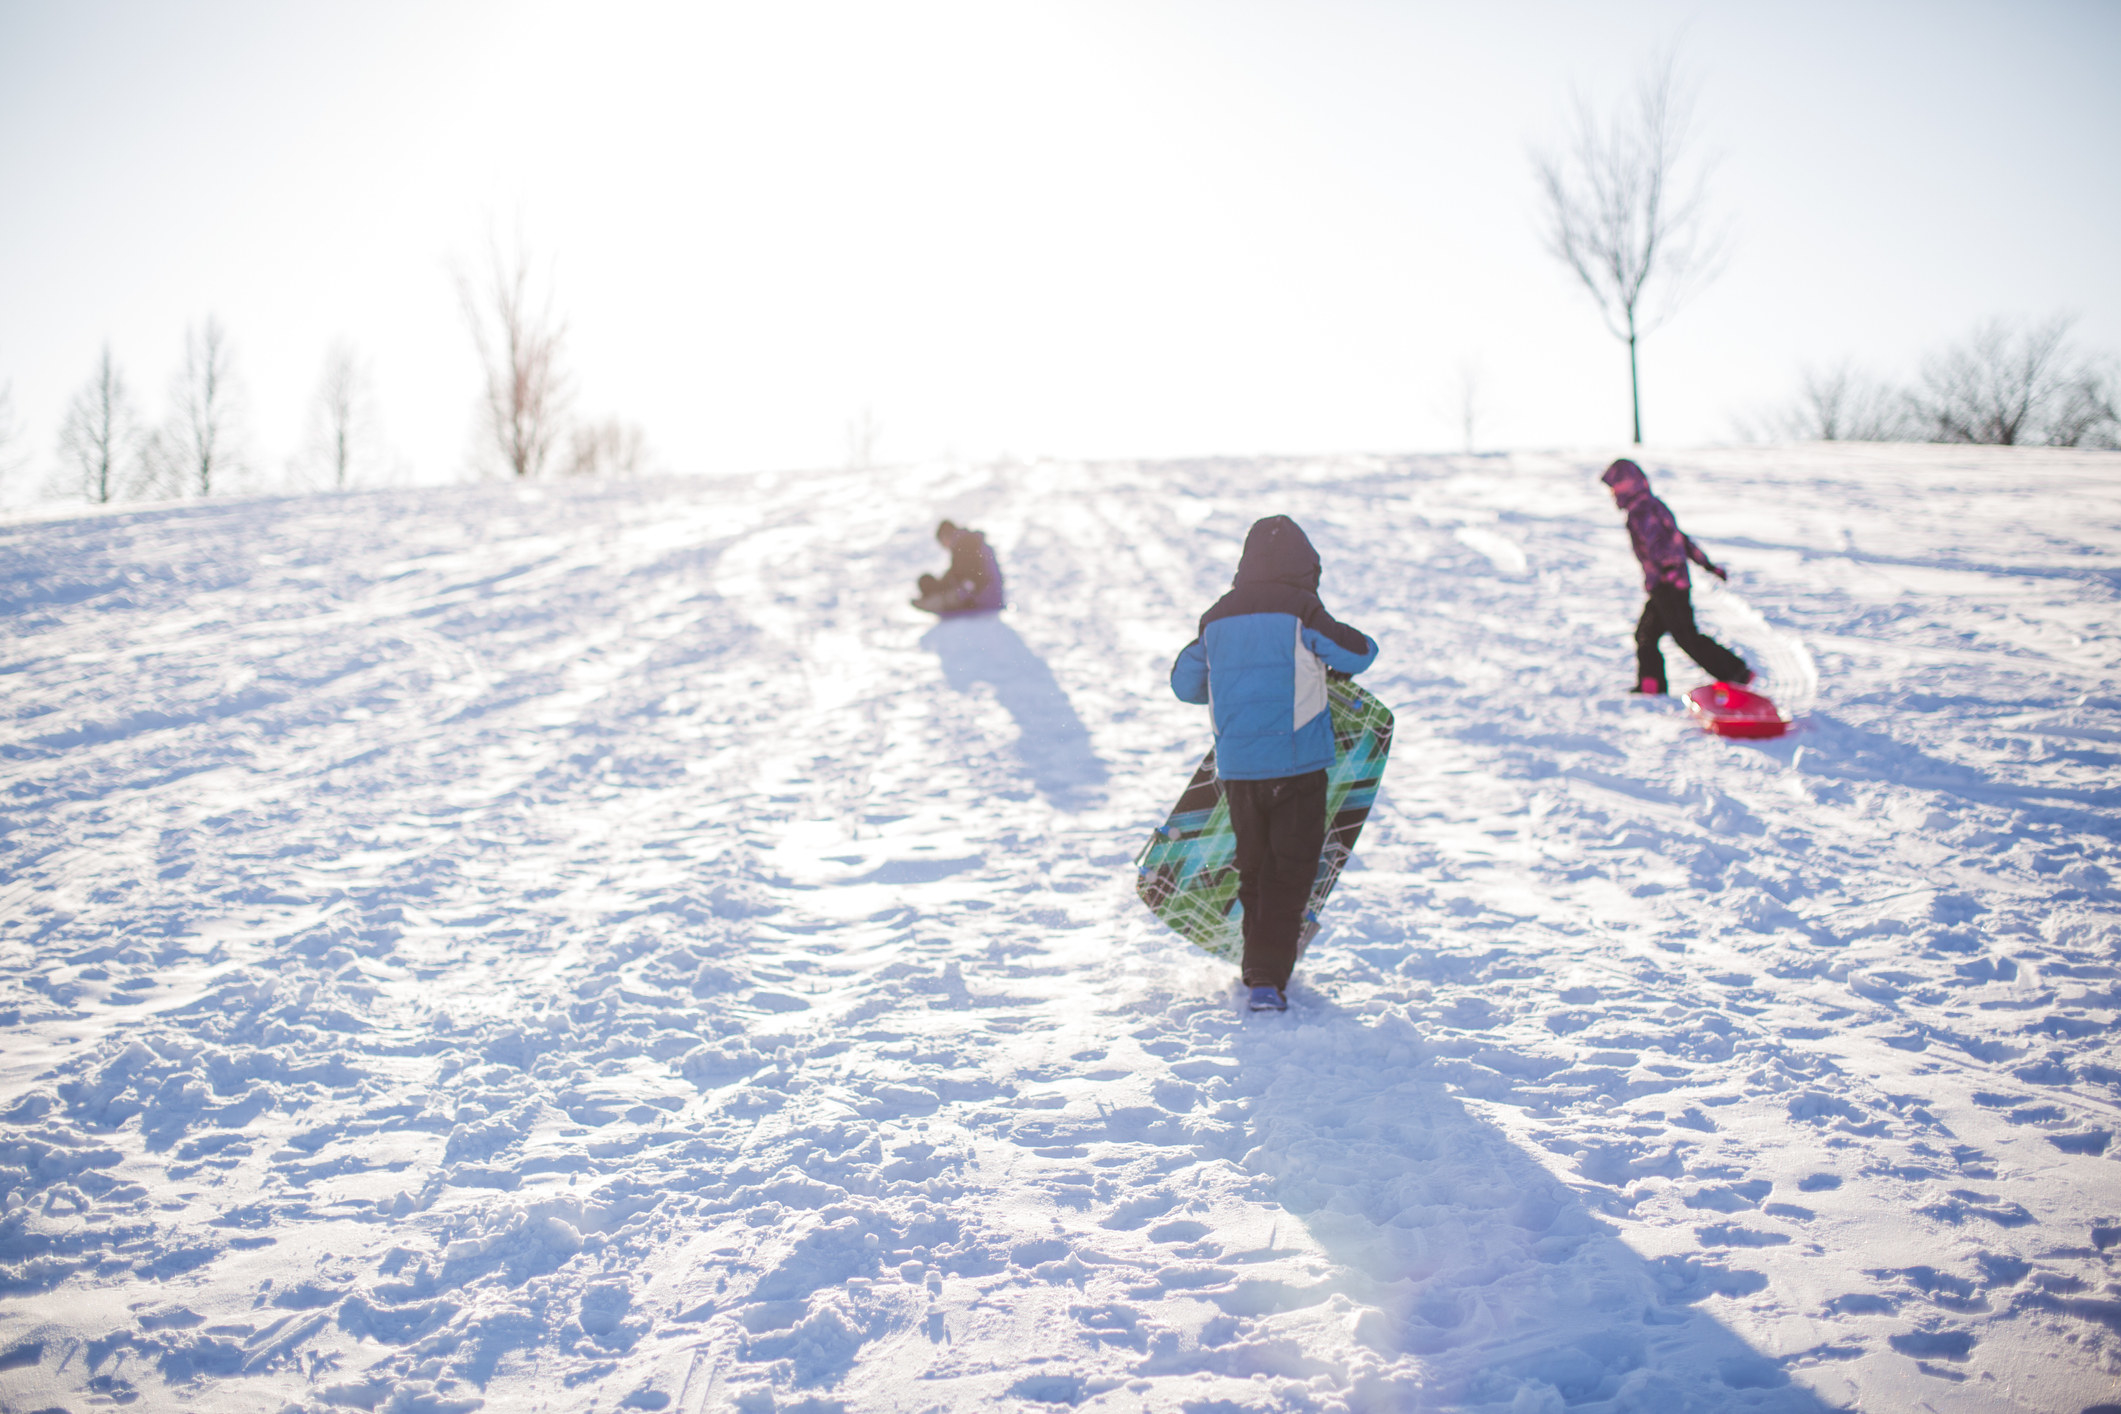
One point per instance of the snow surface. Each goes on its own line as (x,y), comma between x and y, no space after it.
(582,945)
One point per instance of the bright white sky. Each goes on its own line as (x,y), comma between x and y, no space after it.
(1082,229)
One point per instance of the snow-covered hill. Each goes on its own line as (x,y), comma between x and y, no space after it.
(583,946)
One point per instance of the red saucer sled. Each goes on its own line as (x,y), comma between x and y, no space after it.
(1728,710)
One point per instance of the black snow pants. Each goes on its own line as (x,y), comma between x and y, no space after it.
(1670,610)
(1281,831)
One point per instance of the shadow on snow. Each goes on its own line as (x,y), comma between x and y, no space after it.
(1052,742)
(1470,1256)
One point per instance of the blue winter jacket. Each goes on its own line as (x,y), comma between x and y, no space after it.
(1261,658)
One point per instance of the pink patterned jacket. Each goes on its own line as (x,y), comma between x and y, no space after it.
(1660,546)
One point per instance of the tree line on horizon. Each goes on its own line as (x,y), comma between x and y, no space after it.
(109,450)
(1623,206)
(2009,383)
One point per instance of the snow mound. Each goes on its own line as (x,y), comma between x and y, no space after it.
(595,945)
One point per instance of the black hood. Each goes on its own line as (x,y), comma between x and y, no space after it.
(1278,552)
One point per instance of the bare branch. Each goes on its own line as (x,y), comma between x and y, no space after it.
(1624,208)
(1842,404)
(863,433)
(100,442)
(2007,383)
(2011,383)
(2088,412)
(608,448)
(1464,400)
(524,406)
(202,441)
(343,445)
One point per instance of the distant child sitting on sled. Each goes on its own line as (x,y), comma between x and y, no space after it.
(1663,551)
(972,584)
(1264,649)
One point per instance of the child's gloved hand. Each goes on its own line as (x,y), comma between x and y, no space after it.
(1336,675)
(1719,571)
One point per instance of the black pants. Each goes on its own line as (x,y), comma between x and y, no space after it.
(1281,831)
(1670,610)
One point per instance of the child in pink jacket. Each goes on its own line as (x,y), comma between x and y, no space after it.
(1663,551)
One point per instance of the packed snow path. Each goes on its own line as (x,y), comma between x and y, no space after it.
(587,946)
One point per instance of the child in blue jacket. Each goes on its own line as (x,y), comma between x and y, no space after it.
(1260,664)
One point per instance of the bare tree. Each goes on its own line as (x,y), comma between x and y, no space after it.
(523,410)
(342,421)
(1841,404)
(1464,400)
(863,433)
(1625,209)
(200,448)
(2088,414)
(100,441)
(607,448)
(2010,382)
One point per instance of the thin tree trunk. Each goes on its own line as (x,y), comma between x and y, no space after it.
(106,428)
(1634,379)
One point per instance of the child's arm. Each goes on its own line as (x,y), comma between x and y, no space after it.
(1189,675)
(1341,648)
(1694,553)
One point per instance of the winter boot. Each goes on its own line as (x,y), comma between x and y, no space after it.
(1266,998)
